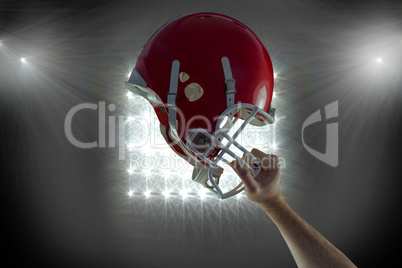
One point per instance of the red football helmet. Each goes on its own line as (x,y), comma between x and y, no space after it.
(201,72)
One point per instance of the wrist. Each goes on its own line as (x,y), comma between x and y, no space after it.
(272,203)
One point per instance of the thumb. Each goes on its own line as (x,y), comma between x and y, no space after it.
(244,174)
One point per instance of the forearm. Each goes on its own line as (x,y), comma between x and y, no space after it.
(308,247)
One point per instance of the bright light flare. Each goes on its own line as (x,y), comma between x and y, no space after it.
(184,193)
(274,146)
(130,193)
(202,193)
(147,172)
(379,59)
(23,60)
(147,193)
(166,193)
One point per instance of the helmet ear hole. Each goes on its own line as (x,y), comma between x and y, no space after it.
(193,91)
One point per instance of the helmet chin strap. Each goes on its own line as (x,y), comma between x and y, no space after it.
(230,84)
(138,86)
(171,98)
(172,111)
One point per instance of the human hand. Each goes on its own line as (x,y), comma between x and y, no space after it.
(263,188)
(308,247)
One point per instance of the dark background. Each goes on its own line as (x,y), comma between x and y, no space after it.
(64,206)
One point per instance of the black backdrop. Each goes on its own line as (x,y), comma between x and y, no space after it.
(61,204)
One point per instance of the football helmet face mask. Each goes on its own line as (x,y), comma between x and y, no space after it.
(202,72)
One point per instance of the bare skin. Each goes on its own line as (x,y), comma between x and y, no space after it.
(308,247)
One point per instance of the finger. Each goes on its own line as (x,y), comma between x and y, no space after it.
(258,154)
(267,161)
(244,174)
(252,161)
(274,161)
